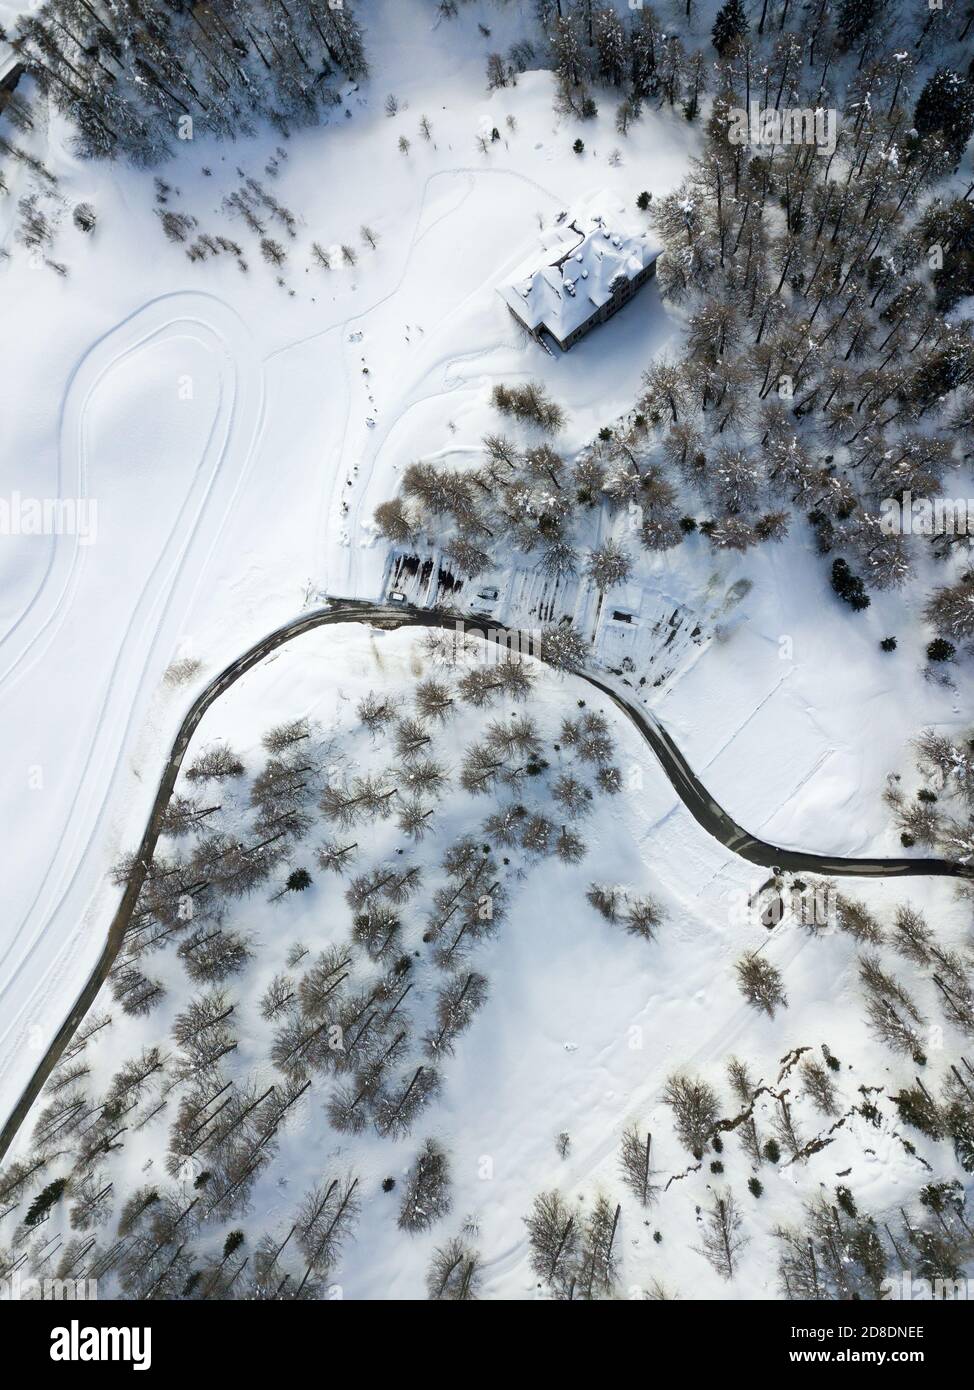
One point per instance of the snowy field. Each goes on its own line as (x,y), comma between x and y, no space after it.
(230,437)
(220,426)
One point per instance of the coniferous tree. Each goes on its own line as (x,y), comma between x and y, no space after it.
(945,108)
(44,1200)
(854,18)
(730,26)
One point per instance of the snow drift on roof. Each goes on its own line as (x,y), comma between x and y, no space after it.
(581,255)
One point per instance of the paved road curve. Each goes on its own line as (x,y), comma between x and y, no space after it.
(684,781)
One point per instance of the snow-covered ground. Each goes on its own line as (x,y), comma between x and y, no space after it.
(220,425)
(235,436)
(582,1026)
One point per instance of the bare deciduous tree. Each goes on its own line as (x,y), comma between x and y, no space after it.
(427,1196)
(696,1110)
(634,1158)
(598,1261)
(554,1235)
(820,1086)
(722,1240)
(454,1273)
(761,983)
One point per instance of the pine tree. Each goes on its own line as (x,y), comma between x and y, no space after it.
(854,19)
(849,586)
(941,650)
(44,1200)
(729,28)
(946,109)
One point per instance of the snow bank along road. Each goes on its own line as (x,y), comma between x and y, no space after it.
(681,776)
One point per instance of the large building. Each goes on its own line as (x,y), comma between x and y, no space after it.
(590,264)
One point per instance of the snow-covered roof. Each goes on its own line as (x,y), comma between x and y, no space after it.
(582,254)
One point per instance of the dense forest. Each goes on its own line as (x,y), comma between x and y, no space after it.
(134,77)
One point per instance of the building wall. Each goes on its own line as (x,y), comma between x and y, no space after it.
(10,74)
(520,322)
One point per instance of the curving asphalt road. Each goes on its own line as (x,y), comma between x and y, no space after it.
(682,778)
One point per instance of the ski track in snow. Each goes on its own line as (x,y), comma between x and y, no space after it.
(32,947)
(37,956)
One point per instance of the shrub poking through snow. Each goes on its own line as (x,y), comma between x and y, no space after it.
(849,586)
